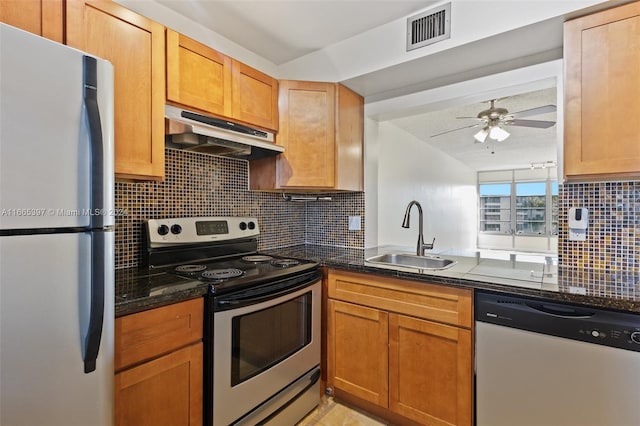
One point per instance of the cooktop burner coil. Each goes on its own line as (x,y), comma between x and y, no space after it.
(257,258)
(222,274)
(190,268)
(285,263)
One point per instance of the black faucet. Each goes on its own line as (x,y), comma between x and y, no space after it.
(405,224)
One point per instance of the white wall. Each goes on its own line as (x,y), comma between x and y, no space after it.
(409,169)
(371,158)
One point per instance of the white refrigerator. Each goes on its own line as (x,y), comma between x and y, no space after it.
(56,234)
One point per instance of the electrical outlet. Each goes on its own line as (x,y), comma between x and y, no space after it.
(355,223)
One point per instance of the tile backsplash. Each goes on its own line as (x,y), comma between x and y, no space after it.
(613,236)
(203,185)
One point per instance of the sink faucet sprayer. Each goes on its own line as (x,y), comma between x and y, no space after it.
(405,224)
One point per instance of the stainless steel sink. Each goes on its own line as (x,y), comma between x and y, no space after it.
(413,261)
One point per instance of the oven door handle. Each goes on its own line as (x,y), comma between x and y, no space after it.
(242,299)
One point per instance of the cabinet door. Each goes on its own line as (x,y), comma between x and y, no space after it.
(430,371)
(41,17)
(357,352)
(166,391)
(349,140)
(602,93)
(135,47)
(197,76)
(307,132)
(254,96)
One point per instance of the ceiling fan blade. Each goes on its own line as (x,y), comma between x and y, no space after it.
(539,124)
(475,118)
(455,130)
(534,111)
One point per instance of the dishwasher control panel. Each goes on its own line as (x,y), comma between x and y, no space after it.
(591,325)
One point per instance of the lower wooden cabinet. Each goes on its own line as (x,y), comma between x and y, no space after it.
(158,362)
(403,346)
(430,371)
(164,391)
(357,330)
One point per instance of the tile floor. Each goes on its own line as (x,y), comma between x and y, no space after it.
(331,413)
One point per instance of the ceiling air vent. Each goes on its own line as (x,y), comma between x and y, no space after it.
(429,27)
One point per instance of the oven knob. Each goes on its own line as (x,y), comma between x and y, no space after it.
(635,337)
(252,225)
(163,229)
(243,226)
(176,229)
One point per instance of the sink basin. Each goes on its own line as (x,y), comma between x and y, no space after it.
(413,261)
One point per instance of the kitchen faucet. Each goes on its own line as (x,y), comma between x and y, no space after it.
(405,224)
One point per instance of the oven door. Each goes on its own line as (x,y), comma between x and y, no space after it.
(262,343)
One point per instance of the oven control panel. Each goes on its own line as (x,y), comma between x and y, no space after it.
(190,230)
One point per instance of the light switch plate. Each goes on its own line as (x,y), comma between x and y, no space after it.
(355,223)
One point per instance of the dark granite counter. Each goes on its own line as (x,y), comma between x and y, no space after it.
(612,290)
(138,289)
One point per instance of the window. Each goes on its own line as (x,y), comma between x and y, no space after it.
(495,208)
(531,208)
(519,206)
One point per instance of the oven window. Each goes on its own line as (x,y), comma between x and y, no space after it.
(263,338)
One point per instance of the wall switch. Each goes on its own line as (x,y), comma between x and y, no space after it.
(355,223)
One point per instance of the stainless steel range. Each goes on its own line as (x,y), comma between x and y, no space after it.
(262,318)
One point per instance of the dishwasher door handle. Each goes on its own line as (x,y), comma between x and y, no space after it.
(561,311)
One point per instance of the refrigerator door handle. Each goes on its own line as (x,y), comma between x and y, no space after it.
(90,72)
(96,314)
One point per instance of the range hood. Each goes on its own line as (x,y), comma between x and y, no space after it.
(201,133)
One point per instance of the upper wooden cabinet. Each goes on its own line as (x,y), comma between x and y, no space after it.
(254,96)
(41,17)
(197,76)
(321,130)
(203,79)
(602,94)
(135,47)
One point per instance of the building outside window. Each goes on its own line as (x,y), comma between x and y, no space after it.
(495,208)
(519,206)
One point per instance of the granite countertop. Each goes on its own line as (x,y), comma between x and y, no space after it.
(518,274)
(522,275)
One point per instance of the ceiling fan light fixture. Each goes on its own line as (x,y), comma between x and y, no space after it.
(498,133)
(481,136)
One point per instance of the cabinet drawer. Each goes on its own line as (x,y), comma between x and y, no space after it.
(146,335)
(423,300)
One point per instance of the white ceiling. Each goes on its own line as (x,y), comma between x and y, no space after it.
(283,30)
(523,147)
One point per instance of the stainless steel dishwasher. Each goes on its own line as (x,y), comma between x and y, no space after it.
(554,364)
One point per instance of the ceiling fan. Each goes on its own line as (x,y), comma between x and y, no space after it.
(494,118)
